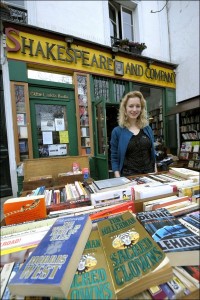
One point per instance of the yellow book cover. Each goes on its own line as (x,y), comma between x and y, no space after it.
(92,279)
(135,260)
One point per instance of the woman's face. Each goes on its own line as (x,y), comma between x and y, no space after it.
(133,107)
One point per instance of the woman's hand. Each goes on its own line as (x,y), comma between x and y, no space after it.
(117,174)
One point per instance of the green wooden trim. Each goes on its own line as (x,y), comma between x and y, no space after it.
(17,71)
(170,126)
(72,126)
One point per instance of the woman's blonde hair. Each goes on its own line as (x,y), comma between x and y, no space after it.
(142,120)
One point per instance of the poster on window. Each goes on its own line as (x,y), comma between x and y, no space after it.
(53,150)
(47,125)
(60,124)
(21,119)
(62,149)
(47,137)
(64,137)
(43,151)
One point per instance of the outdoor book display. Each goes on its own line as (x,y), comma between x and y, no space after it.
(117,274)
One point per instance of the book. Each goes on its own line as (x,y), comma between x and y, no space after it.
(50,268)
(191,221)
(157,292)
(111,182)
(194,271)
(163,202)
(190,286)
(23,209)
(117,194)
(188,276)
(168,291)
(7,293)
(176,287)
(183,172)
(5,275)
(178,242)
(92,279)
(135,260)
(141,191)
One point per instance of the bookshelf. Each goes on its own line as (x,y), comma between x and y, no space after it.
(84,120)
(189,152)
(156,123)
(21,121)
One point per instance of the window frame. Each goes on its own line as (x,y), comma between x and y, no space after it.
(119,9)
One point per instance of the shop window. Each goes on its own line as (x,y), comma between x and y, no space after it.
(119,90)
(101,88)
(121,20)
(48,76)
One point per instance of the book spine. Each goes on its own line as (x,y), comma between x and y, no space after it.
(187,283)
(7,294)
(5,275)
(168,291)
(157,293)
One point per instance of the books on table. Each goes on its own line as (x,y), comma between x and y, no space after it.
(135,260)
(111,182)
(50,269)
(179,243)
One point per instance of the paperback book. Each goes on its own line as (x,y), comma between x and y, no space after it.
(178,242)
(135,260)
(50,268)
(92,279)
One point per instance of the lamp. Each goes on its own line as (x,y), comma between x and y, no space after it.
(149,63)
(114,51)
(69,40)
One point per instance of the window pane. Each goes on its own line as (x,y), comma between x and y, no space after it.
(52,130)
(127,24)
(128,32)
(47,76)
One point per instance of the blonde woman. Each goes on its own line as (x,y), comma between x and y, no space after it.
(132,142)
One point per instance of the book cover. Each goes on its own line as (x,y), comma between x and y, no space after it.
(50,268)
(183,172)
(111,182)
(179,243)
(92,279)
(135,260)
(191,221)
(23,209)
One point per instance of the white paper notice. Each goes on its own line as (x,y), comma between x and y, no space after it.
(47,137)
(60,124)
(53,150)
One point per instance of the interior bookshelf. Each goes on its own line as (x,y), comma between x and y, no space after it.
(156,123)
(84,120)
(21,121)
(190,138)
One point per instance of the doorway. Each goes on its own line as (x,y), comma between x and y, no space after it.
(111,122)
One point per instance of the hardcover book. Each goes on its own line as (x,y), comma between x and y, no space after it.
(178,242)
(92,279)
(135,260)
(50,268)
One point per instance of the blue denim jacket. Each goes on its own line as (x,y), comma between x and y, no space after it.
(120,138)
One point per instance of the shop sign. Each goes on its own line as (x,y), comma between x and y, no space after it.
(31,48)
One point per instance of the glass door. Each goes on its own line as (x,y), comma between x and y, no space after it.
(53,128)
(101,157)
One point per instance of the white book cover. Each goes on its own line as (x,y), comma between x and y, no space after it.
(60,124)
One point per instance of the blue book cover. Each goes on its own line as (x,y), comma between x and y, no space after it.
(172,236)
(50,269)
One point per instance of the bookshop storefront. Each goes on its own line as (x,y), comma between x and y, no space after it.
(65,95)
